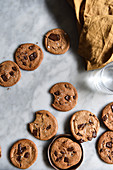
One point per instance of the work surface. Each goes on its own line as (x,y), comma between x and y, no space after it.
(27,21)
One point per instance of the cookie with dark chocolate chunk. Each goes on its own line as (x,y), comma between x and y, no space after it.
(57,41)
(45,125)
(28,56)
(65,96)
(9,73)
(107,115)
(105,147)
(23,153)
(65,153)
(84,126)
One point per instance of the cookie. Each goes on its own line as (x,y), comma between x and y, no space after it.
(84,126)
(65,96)
(57,41)
(28,56)
(9,73)
(23,153)
(65,153)
(45,125)
(105,147)
(107,116)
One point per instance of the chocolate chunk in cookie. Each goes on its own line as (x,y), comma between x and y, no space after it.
(9,73)
(65,153)
(23,153)
(45,125)
(28,56)
(65,96)
(84,125)
(105,147)
(57,41)
(107,116)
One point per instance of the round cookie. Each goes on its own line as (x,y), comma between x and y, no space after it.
(65,96)
(45,125)
(28,56)
(84,125)
(9,73)
(107,116)
(57,41)
(105,147)
(65,153)
(23,153)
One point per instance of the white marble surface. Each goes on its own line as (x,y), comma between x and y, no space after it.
(27,21)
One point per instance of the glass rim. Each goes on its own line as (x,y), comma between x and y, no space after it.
(101,74)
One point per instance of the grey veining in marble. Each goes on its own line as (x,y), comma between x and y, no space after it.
(27,21)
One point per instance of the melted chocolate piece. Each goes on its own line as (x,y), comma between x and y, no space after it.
(74,97)
(55,153)
(90,122)
(27,154)
(47,115)
(109,144)
(62,152)
(94,134)
(104,118)
(11,73)
(31,47)
(33,56)
(101,150)
(48,127)
(54,37)
(19,149)
(70,149)
(18,158)
(79,134)
(59,159)
(4,77)
(89,138)
(66,159)
(81,140)
(57,93)
(24,63)
(14,68)
(81,126)
(67,97)
(35,132)
(25,57)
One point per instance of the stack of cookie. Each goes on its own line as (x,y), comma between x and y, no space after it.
(105,142)
(95,20)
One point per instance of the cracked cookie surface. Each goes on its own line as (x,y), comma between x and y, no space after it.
(23,153)
(65,153)
(65,96)
(28,56)
(9,73)
(57,41)
(45,125)
(84,126)
(107,116)
(105,147)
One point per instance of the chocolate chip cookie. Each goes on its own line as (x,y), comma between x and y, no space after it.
(23,153)
(84,126)
(65,153)
(65,96)
(57,41)
(9,73)
(45,125)
(28,56)
(107,116)
(105,147)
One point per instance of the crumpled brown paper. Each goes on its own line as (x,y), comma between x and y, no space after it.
(96,41)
